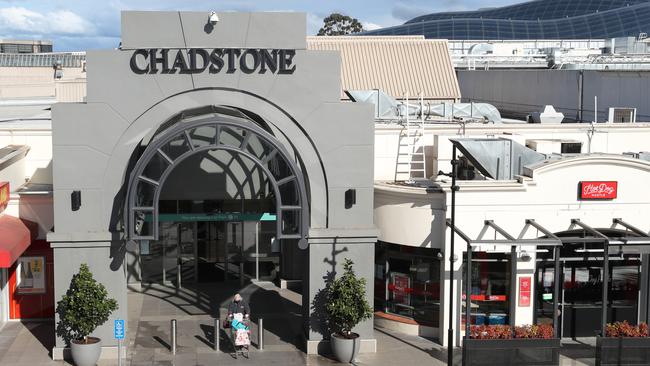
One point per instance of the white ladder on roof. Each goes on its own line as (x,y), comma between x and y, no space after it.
(411,162)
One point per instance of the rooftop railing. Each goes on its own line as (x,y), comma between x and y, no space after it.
(66,59)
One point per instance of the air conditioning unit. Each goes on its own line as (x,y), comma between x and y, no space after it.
(549,115)
(622,115)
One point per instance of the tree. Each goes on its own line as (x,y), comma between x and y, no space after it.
(84,307)
(346,301)
(339,25)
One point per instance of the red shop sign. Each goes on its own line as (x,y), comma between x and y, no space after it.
(598,190)
(524,291)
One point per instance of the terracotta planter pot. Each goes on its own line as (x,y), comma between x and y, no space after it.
(345,349)
(86,354)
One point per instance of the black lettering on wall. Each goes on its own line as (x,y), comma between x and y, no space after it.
(154,60)
(245,65)
(180,63)
(269,60)
(203,55)
(216,61)
(231,53)
(286,62)
(198,60)
(134,62)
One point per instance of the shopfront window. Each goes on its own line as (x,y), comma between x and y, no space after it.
(407,282)
(581,292)
(490,297)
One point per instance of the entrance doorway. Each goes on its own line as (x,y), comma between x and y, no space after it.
(211,248)
(580,302)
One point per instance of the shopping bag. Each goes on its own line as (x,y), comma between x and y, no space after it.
(241,338)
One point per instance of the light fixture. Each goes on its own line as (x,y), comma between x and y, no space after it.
(350,198)
(75,200)
(525,256)
(213,18)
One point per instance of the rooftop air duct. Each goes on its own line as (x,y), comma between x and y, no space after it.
(387,108)
(499,159)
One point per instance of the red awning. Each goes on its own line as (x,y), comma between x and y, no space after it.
(15,237)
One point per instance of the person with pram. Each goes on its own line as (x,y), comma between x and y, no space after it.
(238,317)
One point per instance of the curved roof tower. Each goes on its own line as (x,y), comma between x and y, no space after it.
(538,19)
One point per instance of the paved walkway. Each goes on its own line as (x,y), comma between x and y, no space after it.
(151,308)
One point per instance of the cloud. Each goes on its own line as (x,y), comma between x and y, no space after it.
(370,26)
(25,22)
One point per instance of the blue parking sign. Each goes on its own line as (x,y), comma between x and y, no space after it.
(119,329)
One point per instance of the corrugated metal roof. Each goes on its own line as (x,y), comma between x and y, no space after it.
(394,64)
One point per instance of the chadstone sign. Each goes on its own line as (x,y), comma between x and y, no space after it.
(214,61)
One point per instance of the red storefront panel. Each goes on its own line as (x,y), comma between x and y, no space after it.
(524,291)
(33,300)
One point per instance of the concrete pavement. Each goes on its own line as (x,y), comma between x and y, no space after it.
(151,308)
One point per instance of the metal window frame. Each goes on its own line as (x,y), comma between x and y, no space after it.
(217,121)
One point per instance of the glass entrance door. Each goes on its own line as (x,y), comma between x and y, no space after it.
(580,302)
(209,251)
(187,251)
(582,299)
(160,260)
(234,250)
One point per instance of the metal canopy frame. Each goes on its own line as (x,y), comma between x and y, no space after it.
(182,130)
(626,244)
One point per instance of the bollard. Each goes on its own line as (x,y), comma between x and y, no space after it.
(260,334)
(173,336)
(179,271)
(217,333)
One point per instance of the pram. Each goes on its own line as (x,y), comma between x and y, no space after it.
(240,336)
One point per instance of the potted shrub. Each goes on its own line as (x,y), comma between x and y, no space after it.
(83,308)
(500,345)
(346,307)
(623,344)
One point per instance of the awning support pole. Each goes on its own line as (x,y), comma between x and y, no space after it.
(468,292)
(556,294)
(605,286)
(513,286)
(450,330)
(630,227)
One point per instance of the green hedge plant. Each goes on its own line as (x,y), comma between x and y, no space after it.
(346,302)
(84,307)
